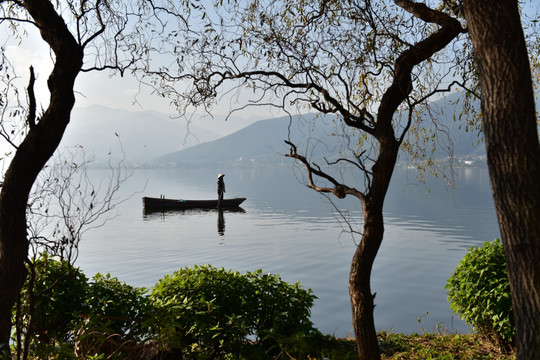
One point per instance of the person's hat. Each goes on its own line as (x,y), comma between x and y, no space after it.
(220,175)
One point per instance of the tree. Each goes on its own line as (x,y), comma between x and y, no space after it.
(372,64)
(38,146)
(66,202)
(98,34)
(63,205)
(513,153)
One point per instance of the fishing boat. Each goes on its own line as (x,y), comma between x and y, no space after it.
(161,203)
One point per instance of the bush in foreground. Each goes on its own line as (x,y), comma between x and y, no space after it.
(200,312)
(62,313)
(479,292)
(52,299)
(116,321)
(212,312)
(209,313)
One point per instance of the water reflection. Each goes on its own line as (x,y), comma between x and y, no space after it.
(162,215)
(149,214)
(220,223)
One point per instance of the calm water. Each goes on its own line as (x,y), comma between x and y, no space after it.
(288,229)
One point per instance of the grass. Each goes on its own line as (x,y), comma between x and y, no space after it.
(439,347)
(424,346)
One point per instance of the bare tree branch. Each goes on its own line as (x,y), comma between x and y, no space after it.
(340,190)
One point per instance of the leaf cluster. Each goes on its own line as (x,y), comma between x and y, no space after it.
(479,291)
(216,311)
(200,312)
(58,292)
(61,306)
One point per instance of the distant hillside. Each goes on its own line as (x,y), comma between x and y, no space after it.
(141,136)
(443,118)
(262,143)
(259,144)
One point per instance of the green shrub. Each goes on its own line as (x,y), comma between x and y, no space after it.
(54,303)
(199,313)
(209,312)
(281,310)
(69,312)
(479,292)
(117,318)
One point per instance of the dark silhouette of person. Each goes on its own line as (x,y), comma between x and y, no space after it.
(220,186)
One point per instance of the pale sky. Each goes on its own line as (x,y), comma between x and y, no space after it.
(91,88)
(101,89)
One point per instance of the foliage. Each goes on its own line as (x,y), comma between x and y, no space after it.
(70,312)
(212,312)
(479,291)
(199,312)
(52,303)
(117,317)
(226,314)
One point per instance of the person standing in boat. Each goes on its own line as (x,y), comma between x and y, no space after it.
(220,186)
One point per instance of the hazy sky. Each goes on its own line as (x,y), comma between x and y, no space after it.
(99,88)
(115,92)
(91,88)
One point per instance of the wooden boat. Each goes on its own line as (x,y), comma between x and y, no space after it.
(150,203)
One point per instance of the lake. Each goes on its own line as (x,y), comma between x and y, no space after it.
(287,229)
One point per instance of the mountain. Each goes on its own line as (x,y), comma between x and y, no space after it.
(139,136)
(150,138)
(262,143)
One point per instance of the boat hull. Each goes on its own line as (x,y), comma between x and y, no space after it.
(150,203)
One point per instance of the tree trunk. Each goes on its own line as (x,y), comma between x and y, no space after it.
(513,154)
(362,300)
(40,143)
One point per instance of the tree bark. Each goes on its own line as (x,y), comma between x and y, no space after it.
(362,300)
(513,154)
(32,154)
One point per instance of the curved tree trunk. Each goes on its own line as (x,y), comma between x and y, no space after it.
(362,300)
(40,143)
(513,154)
